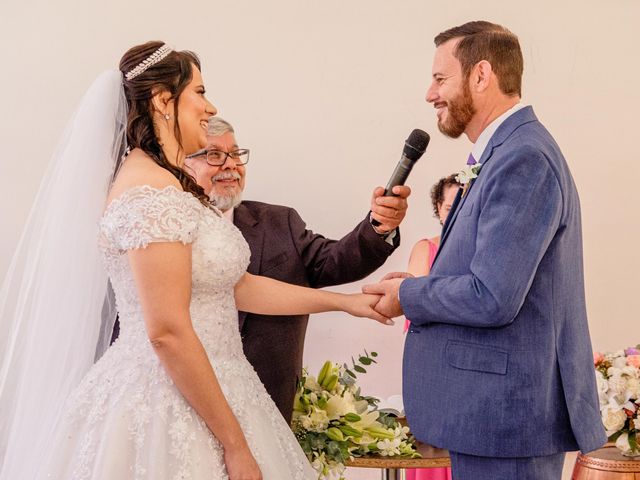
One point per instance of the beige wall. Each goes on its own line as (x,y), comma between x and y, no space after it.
(324,93)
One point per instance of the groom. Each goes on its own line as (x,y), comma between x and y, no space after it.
(497,363)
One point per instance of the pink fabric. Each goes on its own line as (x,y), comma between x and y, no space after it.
(433,250)
(427,473)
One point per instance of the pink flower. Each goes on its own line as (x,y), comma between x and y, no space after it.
(631,351)
(633,360)
(597,357)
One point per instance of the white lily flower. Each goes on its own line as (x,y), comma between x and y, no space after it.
(366,420)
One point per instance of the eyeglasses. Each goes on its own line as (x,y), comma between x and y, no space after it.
(217,158)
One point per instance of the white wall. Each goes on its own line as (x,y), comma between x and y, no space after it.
(324,94)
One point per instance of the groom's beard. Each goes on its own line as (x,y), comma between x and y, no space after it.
(228,200)
(461,112)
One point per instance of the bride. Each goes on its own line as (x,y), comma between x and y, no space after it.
(174,397)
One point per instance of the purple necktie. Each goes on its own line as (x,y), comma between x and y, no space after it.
(471,160)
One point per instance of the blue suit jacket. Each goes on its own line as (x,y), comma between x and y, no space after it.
(498,360)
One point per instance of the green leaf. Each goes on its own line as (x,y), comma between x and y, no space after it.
(347,380)
(615,436)
(333,449)
(359,369)
(365,360)
(632,441)
(350,373)
(374,354)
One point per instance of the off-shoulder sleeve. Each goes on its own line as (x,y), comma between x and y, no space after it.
(143,215)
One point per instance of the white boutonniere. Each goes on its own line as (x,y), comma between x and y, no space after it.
(468,173)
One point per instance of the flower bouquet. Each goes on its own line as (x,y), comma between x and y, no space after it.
(334,422)
(618,378)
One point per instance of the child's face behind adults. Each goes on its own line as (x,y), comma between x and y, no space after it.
(194,111)
(449,195)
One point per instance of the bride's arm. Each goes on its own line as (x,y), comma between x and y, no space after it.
(162,273)
(267,296)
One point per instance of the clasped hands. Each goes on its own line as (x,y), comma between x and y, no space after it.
(380,300)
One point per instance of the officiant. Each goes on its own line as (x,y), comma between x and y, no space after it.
(283,248)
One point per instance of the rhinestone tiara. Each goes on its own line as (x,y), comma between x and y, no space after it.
(151,60)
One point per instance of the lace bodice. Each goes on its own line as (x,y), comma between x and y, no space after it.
(220,255)
(127,419)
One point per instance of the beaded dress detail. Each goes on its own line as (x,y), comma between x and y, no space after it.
(126,419)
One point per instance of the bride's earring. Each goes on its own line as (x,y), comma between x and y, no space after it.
(167,116)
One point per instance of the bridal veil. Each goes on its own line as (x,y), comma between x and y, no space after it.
(53,313)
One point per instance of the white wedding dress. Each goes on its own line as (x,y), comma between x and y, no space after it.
(127,420)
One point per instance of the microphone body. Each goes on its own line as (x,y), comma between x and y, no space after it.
(414,148)
(399,175)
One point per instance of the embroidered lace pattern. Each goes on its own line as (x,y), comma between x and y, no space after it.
(127,419)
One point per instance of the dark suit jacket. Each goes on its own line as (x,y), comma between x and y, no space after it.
(498,360)
(282,248)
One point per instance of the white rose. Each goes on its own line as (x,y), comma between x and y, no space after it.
(620,362)
(614,371)
(622,443)
(603,386)
(633,388)
(613,420)
(617,384)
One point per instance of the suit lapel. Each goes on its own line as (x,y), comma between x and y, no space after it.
(522,116)
(453,215)
(454,210)
(246,222)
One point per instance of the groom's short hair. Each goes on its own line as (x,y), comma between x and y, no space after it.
(481,40)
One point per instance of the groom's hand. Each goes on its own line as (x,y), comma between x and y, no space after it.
(389,304)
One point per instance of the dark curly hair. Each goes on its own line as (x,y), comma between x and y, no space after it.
(173,74)
(437,191)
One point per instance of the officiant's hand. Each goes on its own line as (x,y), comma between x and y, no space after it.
(391,275)
(362,305)
(388,287)
(389,210)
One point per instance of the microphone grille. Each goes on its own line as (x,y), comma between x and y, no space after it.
(416,144)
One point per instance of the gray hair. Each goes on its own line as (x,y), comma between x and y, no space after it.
(218,126)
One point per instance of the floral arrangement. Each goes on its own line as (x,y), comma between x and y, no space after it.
(618,378)
(334,422)
(468,173)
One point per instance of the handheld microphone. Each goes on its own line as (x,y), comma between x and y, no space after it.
(414,147)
